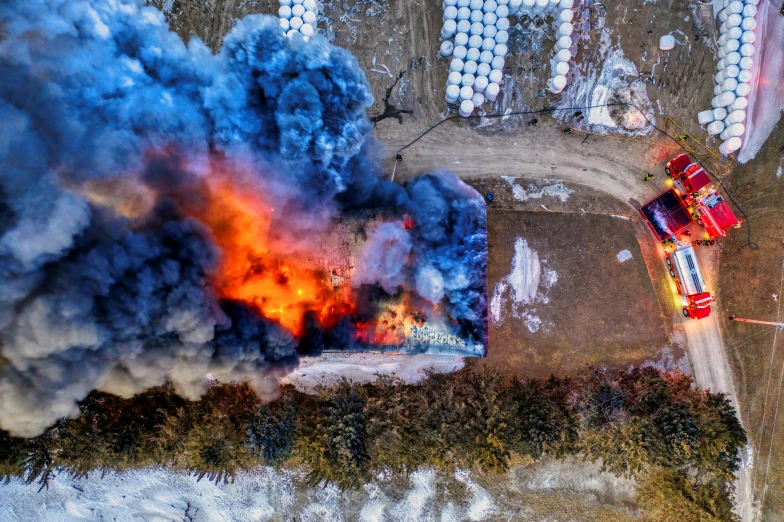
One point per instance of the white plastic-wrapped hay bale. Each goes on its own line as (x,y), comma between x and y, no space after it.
(556,84)
(459,52)
(467,80)
(466,108)
(730,146)
(454,78)
(743,89)
(447,48)
(449,29)
(490,31)
(481,83)
(719,113)
(307,30)
(733,131)
(466,93)
(566,15)
(667,42)
(495,76)
(491,92)
(738,116)
(740,103)
(705,117)
(472,55)
(478,99)
(564,42)
(456,65)
(310,18)
(723,99)
(715,127)
(561,68)
(452,93)
(564,29)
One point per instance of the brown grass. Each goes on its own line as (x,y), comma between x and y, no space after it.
(600,311)
(748,278)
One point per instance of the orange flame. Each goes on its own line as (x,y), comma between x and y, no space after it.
(283,287)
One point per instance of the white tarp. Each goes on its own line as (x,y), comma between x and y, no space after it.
(766,100)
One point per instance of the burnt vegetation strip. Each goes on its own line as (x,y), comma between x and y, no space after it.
(391,111)
(679,442)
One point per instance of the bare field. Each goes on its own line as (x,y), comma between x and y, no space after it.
(598,311)
(748,280)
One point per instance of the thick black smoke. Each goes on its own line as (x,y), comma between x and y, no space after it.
(90,299)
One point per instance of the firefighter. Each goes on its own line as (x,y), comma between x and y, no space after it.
(683,137)
(567,130)
(648,176)
(398,157)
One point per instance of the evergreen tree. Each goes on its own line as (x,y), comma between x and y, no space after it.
(271,432)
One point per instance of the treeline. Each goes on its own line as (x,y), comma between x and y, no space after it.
(679,442)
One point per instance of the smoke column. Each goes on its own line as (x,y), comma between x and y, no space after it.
(135,171)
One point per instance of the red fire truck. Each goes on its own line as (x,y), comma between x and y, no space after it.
(715,215)
(709,208)
(683,266)
(689,176)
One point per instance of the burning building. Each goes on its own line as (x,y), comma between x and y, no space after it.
(167,214)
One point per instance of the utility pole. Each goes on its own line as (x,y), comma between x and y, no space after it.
(778,325)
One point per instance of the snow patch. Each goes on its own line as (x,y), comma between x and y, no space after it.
(263,495)
(624,255)
(617,81)
(527,284)
(556,190)
(481,504)
(331,368)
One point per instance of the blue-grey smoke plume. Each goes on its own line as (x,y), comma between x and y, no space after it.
(104,285)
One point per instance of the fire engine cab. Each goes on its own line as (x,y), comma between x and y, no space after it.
(683,266)
(709,208)
(689,176)
(714,215)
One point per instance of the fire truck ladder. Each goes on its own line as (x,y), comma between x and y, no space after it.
(778,325)
(702,152)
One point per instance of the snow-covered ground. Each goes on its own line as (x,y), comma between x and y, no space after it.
(330,368)
(263,495)
(612,79)
(526,285)
(554,189)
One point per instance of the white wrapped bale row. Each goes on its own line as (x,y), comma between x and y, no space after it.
(542,9)
(480,32)
(736,57)
(298,16)
(560,63)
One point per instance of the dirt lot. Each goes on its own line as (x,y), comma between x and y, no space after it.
(599,311)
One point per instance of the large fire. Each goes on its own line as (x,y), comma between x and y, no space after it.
(286,279)
(283,287)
